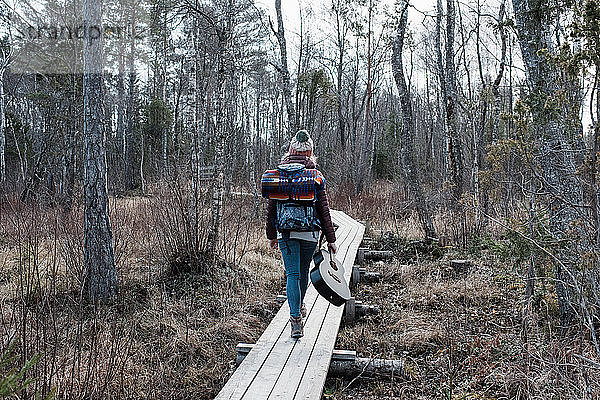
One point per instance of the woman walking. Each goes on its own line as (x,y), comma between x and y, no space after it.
(297,247)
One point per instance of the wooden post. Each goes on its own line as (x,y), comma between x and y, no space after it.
(360,255)
(350,310)
(360,274)
(361,309)
(355,309)
(367,227)
(355,274)
(365,253)
(369,277)
(281,298)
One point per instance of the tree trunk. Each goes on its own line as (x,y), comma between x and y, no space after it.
(284,71)
(142,154)
(101,278)
(556,152)
(409,166)
(455,159)
(70,153)
(442,79)
(363,167)
(196,133)
(130,134)
(165,131)
(496,83)
(2,130)
(121,117)
(341,42)
(221,129)
(594,155)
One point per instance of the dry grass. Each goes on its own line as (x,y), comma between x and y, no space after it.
(463,337)
(163,336)
(173,336)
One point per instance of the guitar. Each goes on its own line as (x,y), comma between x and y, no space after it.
(328,277)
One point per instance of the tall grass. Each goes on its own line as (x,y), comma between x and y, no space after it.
(169,332)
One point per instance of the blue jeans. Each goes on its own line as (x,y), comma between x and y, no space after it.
(297,255)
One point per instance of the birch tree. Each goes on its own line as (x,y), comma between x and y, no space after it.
(4,62)
(340,11)
(130,108)
(442,80)
(2,129)
(455,159)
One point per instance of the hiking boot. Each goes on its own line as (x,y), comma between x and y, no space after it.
(303,310)
(297,327)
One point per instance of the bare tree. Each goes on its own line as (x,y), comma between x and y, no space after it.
(339,8)
(2,129)
(364,144)
(407,148)
(129,138)
(222,27)
(284,71)
(442,79)
(455,159)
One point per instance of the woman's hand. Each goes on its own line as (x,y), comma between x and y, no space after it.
(332,247)
(273,244)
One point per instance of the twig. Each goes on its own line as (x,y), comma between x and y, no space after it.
(359,375)
(595,365)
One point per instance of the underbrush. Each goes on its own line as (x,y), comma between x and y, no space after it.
(171,330)
(386,207)
(466,335)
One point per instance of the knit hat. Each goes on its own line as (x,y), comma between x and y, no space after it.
(302,141)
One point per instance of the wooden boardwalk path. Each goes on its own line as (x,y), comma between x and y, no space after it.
(279,367)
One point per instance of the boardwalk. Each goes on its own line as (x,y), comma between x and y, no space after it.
(279,367)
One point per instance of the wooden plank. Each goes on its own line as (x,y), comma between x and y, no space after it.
(246,373)
(276,359)
(312,382)
(238,382)
(313,379)
(269,375)
(291,375)
(283,371)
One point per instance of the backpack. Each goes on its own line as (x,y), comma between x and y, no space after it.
(294,188)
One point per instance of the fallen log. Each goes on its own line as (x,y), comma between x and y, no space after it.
(367,367)
(355,309)
(360,274)
(367,254)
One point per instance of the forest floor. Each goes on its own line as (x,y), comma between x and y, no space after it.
(171,332)
(463,335)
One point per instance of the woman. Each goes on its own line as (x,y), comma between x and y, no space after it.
(297,248)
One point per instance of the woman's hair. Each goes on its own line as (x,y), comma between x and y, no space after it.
(312,157)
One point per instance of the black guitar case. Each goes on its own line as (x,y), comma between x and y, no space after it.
(327,276)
